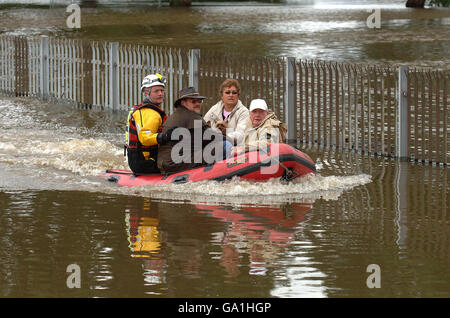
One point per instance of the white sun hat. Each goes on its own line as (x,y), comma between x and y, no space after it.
(258,103)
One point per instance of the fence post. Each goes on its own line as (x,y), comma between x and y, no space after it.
(114,75)
(44,76)
(402,114)
(289,101)
(193,67)
(401,187)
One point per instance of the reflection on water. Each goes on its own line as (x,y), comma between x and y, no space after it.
(258,232)
(240,242)
(145,242)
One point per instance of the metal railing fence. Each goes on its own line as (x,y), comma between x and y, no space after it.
(371,109)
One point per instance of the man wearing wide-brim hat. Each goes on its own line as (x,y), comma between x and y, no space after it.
(190,141)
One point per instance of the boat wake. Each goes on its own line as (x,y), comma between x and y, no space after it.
(237,192)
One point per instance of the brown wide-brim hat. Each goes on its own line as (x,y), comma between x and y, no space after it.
(188,92)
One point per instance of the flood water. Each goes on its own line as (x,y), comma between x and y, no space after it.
(324,30)
(315,237)
(312,238)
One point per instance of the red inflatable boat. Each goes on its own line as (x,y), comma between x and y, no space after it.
(276,161)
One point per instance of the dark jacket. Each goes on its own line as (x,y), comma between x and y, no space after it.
(192,140)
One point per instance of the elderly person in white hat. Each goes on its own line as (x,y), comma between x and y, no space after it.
(262,128)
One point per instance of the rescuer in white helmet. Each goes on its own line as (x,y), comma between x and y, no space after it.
(144,127)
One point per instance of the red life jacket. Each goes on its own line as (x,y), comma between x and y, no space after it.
(132,139)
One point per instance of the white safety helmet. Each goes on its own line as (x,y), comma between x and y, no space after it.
(153,80)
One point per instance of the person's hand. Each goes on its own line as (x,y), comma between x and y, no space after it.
(222,126)
(236,150)
(164,138)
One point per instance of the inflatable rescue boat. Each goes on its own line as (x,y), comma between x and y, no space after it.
(275,161)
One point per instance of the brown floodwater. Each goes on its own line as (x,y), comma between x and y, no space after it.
(326,30)
(315,237)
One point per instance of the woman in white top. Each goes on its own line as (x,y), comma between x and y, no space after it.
(229,115)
